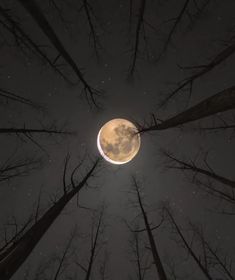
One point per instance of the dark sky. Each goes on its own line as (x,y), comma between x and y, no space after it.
(134,100)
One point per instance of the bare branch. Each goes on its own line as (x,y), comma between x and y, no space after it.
(188,82)
(35,11)
(220,102)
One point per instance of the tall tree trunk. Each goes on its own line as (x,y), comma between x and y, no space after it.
(63,258)
(190,251)
(220,102)
(33,8)
(25,40)
(210,253)
(15,256)
(93,33)
(136,240)
(156,257)
(173,29)
(94,248)
(139,26)
(217,60)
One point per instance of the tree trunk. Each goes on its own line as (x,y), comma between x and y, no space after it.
(15,256)
(219,58)
(190,251)
(139,26)
(35,11)
(156,257)
(94,247)
(220,102)
(25,40)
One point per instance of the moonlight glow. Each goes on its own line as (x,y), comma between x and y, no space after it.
(118,141)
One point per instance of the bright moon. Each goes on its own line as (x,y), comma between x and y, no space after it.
(118,141)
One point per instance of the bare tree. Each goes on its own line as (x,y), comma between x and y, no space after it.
(12,231)
(97,229)
(91,19)
(12,97)
(139,28)
(29,134)
(143,27)
(29,131)
(203,69)
(148,229)
(220,102)
(25,134)
(219,124)
(139,255)
(212,256)
(15,255)
(35,11)
(25,42)
(11,168)
(183,12)
(226,192)
(59,264)
(187,245)
(191,166)
(173,29)
(13,228)
(63,259)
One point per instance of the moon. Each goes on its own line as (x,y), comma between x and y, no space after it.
(118,141)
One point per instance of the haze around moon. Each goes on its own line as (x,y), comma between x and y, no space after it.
(118,142)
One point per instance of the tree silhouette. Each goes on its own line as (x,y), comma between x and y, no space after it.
(13,256)
(205,68)
(25,42)
(91,19)
(139,27)
(13,168)
(212,255)
(220,102)
(226,188)
(97,229)
(12,97)
(191,166)
(187,244)
(184,11)
(176,23)
(35,11)
(139,255)
(148,229)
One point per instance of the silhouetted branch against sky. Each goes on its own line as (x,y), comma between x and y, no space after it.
(14,256)
(25,42)
(13,168)
(203,69)
(33,8)
(187,245)
(152,243)
(192,167)
(13,97)
(173,29)
(220,102)
(138,29)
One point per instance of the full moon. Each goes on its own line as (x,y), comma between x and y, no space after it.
(118,141)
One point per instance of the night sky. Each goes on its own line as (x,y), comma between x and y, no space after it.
(205,28)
